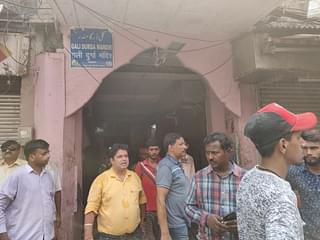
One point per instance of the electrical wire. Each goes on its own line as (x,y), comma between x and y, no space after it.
(60,11)
(151,30)
(85,68)
(218,67)
(23,6)
(142,39)
(203,48)
(228,92)
(114,23)
(75,13)
(101,18)
(113,29)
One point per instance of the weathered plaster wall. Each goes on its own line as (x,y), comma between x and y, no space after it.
(249,155)
(50,102)
(27,103)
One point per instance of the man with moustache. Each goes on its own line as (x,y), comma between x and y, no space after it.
(305,180)
(213,191)
(10,159)
(172,189)
(116,199)
(27,207)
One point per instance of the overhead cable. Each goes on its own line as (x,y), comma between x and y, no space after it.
(61,12)
(76,13)
(114,23)
(23,6)
(141,38)
(151,30)
(99,18)
(84,68)
(218,67)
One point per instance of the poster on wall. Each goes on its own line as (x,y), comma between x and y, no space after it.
(91,48)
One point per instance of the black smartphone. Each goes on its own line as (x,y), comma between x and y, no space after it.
(230,217)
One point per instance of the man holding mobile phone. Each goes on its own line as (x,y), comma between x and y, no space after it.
(211,202)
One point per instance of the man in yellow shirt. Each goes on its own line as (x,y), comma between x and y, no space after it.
(117,200)
(10,161)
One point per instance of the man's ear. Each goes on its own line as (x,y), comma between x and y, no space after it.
(283,145)
(31,157)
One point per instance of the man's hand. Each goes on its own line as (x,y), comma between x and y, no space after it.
(88,225)
(231,225)
(57,224)
(215,222)
(88,231)
(4,236)
(88,235)
(58,221)
(165,236)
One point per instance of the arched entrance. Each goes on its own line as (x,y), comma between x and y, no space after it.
(152,95)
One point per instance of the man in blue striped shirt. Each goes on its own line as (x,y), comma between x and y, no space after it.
(213,191)
(27,208)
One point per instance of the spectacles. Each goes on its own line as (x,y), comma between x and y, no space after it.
(12,149)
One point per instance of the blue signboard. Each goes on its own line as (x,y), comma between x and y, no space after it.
(91,47)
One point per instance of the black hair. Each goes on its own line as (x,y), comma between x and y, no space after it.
(9,143)
(33,145)
(115,148)
(312,135)
(170,139)
(151,142)
(268,149)
(225,142)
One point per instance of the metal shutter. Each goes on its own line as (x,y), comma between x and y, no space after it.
(294,95)
(9,117)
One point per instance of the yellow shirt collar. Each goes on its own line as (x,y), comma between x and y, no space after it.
(18,162)
(113,173)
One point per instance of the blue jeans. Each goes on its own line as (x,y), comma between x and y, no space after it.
(179,233)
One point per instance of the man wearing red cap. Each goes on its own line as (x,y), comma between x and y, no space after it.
(266,205)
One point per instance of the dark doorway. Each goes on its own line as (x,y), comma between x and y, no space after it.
(141,100)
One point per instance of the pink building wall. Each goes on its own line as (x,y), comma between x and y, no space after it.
(249,155)
(49,103)
(61,92)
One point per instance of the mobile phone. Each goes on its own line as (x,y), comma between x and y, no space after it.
(230,217)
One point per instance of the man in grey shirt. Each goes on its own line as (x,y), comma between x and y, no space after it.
(27,207)
(266,205)
(172,190)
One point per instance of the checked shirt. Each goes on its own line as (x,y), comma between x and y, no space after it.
(212,194)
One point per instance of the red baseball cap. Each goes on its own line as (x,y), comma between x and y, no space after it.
(274,121)
(299,122)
